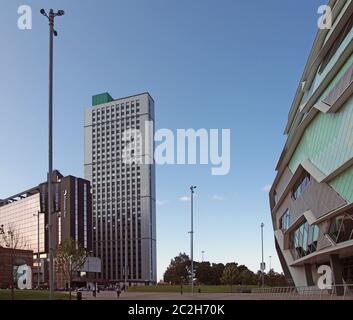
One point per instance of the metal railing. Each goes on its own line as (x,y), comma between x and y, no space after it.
(336,292)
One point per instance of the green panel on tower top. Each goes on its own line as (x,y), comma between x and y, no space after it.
(101,98)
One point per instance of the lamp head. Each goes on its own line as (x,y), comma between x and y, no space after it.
(61,13)
(192,188)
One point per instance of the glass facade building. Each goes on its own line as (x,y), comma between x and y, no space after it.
(21,216)
(26,214)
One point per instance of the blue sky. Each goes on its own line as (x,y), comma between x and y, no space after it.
(207,64)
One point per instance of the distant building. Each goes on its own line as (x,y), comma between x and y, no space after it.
(26,213)
(312,195)
(124,209)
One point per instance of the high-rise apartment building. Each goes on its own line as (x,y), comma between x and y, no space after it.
(124,213)
(312,195)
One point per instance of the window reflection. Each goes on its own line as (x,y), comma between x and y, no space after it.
(22,216)
(300,186)
(304,240)
(285,221)
(341,228)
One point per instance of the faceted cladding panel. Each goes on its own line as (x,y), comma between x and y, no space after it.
(320,198)
(328,141)
(326,144)
(284,264)
(283,182)
(340,87)
(343,184)
(320,76)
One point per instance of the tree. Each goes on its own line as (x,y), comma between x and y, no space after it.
(70,257)
(247,277)
(216,273)
(274,279)
(178,271)
(242,268)
(230,275)
(11,238)
(206,273)
(203,273)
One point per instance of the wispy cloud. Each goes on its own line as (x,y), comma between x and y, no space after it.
(184,199)
(160,203)
(217,197)
(266,188)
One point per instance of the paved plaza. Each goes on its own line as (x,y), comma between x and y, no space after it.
(111,295)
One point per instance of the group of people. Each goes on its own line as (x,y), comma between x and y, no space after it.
(118,290)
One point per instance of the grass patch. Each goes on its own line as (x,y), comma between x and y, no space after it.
(187,288)
(32,295)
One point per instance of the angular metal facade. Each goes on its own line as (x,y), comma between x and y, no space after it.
(312,196)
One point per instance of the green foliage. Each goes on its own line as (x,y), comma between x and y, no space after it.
(274,279)
(214,277)
(230,274)
(203,272)
(32,295)
(179,270)
(69,259)
(214,274)
(248,277)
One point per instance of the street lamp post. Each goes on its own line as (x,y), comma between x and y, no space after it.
(38,248)
(126,256)
(192,190)
(88,255)
(262,252)
(52,32)
(270,262)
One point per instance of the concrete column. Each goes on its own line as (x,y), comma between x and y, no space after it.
(337,272)
(309,275)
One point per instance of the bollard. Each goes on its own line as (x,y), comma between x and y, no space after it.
(79,295)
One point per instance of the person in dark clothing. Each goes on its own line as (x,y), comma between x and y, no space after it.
(118,291)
